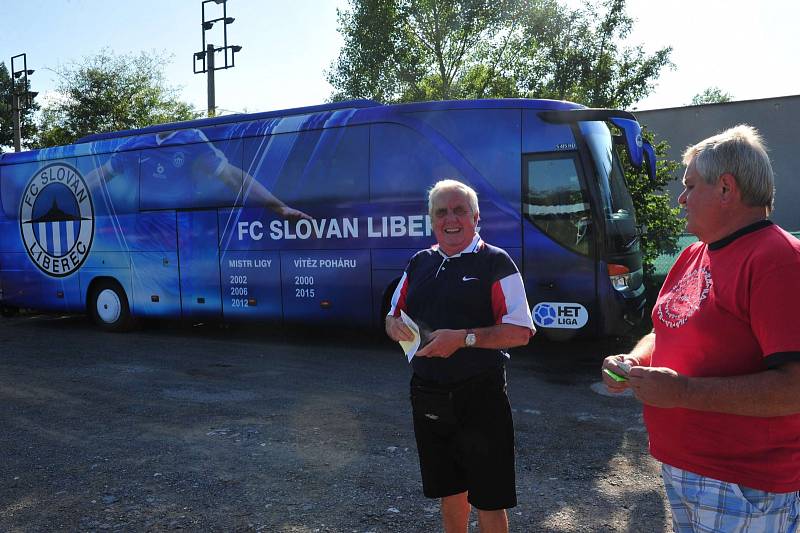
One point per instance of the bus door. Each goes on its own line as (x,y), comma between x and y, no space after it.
(250,272)
(198,258)
(559,252)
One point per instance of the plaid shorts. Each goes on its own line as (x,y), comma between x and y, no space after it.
(705,505)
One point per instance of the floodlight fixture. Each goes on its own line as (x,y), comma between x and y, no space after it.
(204,59)
(20,96)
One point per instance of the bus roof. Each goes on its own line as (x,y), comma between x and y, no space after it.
(354,105)
(227,119)
(337,106)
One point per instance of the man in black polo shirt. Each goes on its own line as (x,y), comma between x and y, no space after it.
(470,297)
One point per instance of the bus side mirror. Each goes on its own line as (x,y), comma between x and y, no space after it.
(649,159)
(633,139)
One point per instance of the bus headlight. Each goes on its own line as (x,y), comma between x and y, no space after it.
(620,276)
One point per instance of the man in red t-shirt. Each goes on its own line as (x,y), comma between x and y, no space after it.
(720,373)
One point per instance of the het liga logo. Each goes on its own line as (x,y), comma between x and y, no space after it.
(561,315)
(56,219)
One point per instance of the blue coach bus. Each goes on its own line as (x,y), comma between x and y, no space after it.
(310,215)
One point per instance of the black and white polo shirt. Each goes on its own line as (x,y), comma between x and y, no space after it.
(478,287)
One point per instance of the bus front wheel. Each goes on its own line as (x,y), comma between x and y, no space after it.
(109,308)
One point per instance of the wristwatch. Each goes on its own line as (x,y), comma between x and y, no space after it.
(470,339)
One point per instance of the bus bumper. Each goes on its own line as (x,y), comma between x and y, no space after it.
(626,313)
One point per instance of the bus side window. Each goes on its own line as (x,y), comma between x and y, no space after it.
(13,179)
(556,203)
(489,139)
(190,172)
(113,180)
(403,164)
(319,166)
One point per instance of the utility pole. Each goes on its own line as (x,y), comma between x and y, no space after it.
(19,90)
(212,105)
(16,121)
(205,58)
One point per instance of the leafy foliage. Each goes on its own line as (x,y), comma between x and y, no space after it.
(411,50)
(583,61)
(28,125)
(660,224)
(712,95)
(109,93)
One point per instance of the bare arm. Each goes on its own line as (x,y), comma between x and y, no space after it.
(397,330)
(643,351)
(639,356)
(769,393)
(230,176)
(444,342)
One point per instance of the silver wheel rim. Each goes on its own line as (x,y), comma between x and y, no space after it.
(109,307)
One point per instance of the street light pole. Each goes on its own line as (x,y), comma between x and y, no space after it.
(16,121)
(212,111)
(206,56)
(16,102)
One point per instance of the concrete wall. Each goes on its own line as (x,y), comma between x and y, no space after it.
(776,119)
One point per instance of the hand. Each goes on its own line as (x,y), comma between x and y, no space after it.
(612,363)
(443,343)
(659,386)
(292,214)
(397,330)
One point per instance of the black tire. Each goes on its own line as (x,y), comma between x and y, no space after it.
(8,311)
(108,306)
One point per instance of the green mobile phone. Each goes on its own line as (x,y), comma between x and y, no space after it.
(614,375)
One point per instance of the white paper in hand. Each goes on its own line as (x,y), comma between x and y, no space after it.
(410,347)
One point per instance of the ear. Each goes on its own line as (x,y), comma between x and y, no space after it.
(728,188)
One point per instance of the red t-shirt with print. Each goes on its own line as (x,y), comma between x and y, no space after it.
(727,309)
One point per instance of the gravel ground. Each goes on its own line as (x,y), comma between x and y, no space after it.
(206,428)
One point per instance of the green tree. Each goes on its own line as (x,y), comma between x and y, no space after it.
(28,125)
(406,50)
(401,50)
(583,59)
(712,95)
(110,92)
(658,220)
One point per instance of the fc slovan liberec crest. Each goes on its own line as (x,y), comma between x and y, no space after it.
(56,219)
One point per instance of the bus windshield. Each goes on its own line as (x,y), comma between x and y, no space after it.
(616,199)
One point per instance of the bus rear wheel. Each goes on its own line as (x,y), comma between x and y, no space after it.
(108,306)
(8,310)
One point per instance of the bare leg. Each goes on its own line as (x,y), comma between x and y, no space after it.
(455,513)
(493,521)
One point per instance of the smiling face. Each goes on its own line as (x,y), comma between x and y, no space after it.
(453,220)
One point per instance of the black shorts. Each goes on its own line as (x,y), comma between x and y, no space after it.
(465,439)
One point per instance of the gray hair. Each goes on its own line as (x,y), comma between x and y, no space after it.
(453,185)
(739,151)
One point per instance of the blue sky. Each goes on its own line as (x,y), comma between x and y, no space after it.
(749,49)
